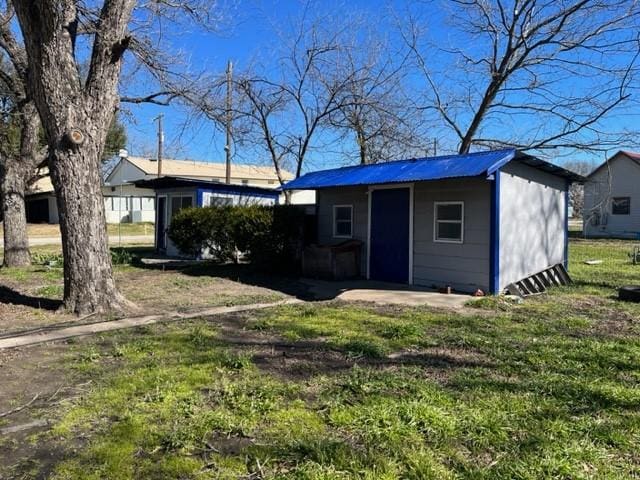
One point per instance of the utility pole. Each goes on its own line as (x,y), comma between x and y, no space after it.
(229,118)
(160,142)
(435,147)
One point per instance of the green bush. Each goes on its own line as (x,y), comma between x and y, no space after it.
(268,236)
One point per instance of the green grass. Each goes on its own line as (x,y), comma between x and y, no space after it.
(543,389)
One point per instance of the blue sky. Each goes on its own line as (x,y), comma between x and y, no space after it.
(249,32)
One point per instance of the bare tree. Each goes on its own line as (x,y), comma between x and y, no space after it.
(378,113)
(76,110)
(576,190)
(549,73)
(286,112)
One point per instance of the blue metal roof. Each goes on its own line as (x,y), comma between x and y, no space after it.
(399,171)
(421,169)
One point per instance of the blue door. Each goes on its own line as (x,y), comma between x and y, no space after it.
(389,241)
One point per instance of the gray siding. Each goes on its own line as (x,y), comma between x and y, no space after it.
(532,221)
(598,191)
(464,266)
(356,196)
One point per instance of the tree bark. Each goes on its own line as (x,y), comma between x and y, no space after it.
(14,177)
(76,115)
(88,277)
(12,189)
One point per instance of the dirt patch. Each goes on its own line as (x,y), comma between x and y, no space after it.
(25,374)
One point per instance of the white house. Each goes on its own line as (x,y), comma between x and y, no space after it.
(612,198)
(124,202)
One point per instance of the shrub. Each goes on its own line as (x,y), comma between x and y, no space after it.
(269,236)
(191,228)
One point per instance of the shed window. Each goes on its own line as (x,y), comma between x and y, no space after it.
(448,222)
(220,201)
(343,221)
(620,206)
(179,202)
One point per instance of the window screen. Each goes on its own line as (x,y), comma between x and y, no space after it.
(449,222)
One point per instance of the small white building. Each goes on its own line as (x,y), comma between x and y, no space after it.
(124,202)
(175,193)
(612,198)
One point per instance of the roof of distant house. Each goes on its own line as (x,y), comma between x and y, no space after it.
(190,168)
(422,169)
(633,156)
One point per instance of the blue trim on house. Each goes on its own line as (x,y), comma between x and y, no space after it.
(232,191)
(494,246)
(199,193)
(566,225)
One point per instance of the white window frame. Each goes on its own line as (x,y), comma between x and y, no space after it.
(181,196)
(335,234)
(436,221)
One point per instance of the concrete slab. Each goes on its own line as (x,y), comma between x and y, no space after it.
(384,293)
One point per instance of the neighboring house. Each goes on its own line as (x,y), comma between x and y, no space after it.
(175,193)
(40,201)
(125,202)
(612,198)
(482,220)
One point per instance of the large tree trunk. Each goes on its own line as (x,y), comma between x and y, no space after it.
(12,190)
(14,177)
(76,114)
(88,275)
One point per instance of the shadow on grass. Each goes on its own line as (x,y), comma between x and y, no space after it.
(287,283)
(8,295)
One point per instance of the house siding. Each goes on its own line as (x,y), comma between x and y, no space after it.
(464,266)
(532,222)
(598,191)
(356,196)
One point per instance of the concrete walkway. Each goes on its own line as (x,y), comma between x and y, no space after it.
(25,339)
(384,293)
(113,240)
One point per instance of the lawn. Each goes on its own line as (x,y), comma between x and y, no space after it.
(53,230)
(30,297)
(543,389)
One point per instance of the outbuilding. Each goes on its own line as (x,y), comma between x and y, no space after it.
(175,193)
(476,221)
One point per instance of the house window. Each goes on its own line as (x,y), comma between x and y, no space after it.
(343,221)
(179,202)
(620,206)
(448,225)
(148,203)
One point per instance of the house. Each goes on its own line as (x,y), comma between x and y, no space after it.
(125,202)
(40,201)
(612,198)
(480,220)
(175,193)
